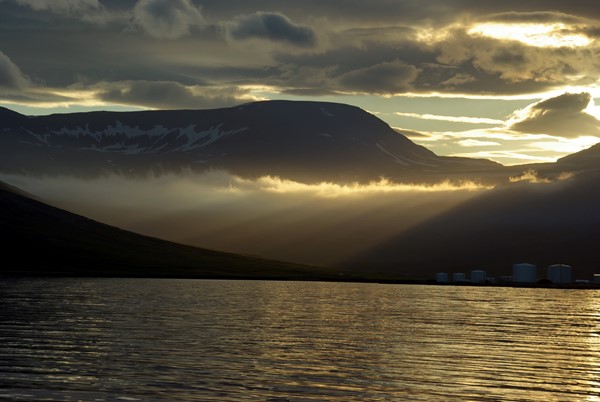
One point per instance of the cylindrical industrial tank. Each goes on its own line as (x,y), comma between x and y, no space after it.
(478,276)
(459,277)
(524,273)
(441,277)
(560,273)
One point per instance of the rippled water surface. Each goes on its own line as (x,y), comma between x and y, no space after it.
(137,339)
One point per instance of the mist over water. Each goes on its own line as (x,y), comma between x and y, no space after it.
(275,218)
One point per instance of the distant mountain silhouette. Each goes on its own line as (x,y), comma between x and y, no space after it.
(522,222)
(588,159)
(310,141)
(38,239)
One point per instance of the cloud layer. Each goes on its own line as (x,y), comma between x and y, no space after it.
(62,6)
(11,76)
(449,47)
(168,95)
(387,77)
(563,116)
(542,131)
(273,27)
(169,19)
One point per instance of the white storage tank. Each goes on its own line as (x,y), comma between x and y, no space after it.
(560,273)
(441,277)
(459,277)
(596,278)
(478,276)
(524,273)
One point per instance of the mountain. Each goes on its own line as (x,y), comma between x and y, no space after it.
(540,223)
(588,159)
(308,141)
(38,239)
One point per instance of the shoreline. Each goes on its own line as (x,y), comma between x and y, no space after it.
(20,276)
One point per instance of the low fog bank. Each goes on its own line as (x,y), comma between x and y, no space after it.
(319,224)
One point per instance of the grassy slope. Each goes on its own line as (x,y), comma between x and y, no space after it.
(44,240)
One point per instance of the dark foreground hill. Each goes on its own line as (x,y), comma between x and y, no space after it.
(540,223)
(306,141)
(38,239)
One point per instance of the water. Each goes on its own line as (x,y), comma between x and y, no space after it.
(132,339)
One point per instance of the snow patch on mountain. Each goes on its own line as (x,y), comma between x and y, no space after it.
(122,138)
(397,159)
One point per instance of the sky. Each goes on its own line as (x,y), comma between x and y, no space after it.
(512,81)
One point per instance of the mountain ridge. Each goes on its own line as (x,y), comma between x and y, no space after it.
(307,141)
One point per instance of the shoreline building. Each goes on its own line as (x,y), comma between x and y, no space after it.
(459,277)
(441,277)
(560,273)
(478,276)
(524,273)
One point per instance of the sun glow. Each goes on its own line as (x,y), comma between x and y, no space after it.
(538,35)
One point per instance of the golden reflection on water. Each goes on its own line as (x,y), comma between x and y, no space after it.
(590,308)
(233,340)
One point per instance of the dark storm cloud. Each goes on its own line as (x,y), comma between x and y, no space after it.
(89,11)
(562,116)
(168,19)
(567,102)
(372,67)
(62,6)
(591,31)
(388,77)
(394,33)
(361,53)
(271,26)
(168,95)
